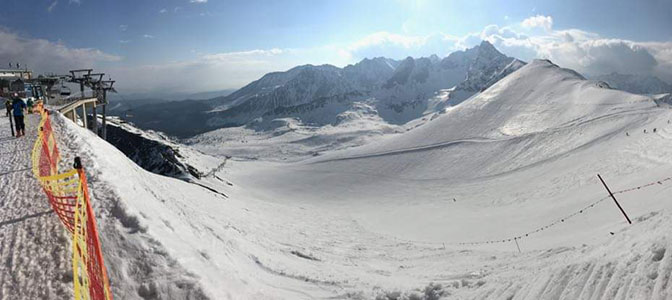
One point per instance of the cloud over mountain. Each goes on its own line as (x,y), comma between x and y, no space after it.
(577,49)
(46,56)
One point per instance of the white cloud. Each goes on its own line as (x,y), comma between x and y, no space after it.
(148,36)
(210,71)
(163,11)
(380,38)
(45,56)
(228,56)
(662,51)
(75,1)
(397,46)
(52,6)
(545,22)
(123,27)
(583,51)
(601,56)
(198,1)
(124,41)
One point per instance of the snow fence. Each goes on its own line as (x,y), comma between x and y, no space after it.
(68,195)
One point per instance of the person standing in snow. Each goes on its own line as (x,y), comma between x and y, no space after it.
(8,107)
(30,105)
(18,107)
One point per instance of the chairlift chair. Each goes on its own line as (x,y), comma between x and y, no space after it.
(65,91)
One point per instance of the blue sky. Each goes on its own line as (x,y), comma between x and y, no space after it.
(225,44)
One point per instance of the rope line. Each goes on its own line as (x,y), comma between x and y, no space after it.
(547,226)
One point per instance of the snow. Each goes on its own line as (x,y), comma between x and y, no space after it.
(34,249)
(381,220)
(516,157)
(289,139)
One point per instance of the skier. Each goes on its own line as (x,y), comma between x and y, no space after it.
(18,107)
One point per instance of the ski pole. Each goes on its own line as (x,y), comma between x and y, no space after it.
(11,123)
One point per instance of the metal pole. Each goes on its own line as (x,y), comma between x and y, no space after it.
(84,116)
(94,126)
(45,97)
(516,240)
(11,122)
(104,114)
(612,197)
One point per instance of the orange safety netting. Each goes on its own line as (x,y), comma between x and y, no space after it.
(68,195)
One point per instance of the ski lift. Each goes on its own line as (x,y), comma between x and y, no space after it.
(65,91)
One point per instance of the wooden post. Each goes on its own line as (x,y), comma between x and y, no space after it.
(615,201)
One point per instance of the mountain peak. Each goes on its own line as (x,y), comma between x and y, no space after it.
(486,44)
(485,49)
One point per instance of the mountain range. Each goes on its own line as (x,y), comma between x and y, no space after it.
(398,90)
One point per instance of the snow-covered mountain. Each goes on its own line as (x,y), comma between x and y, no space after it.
(399,90)
(636,84)
(396,217)
(538,98)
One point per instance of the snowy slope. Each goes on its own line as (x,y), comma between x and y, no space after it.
(521,154)
(382,220)
(496,134)
(289,139)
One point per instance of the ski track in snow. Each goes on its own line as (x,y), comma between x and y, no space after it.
(34,246)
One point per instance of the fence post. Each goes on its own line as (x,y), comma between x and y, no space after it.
(612,197)
(516,240)
(78,163)
(94,228)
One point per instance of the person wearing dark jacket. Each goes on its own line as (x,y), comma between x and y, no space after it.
(8,107)
(30,105)
(18,107)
